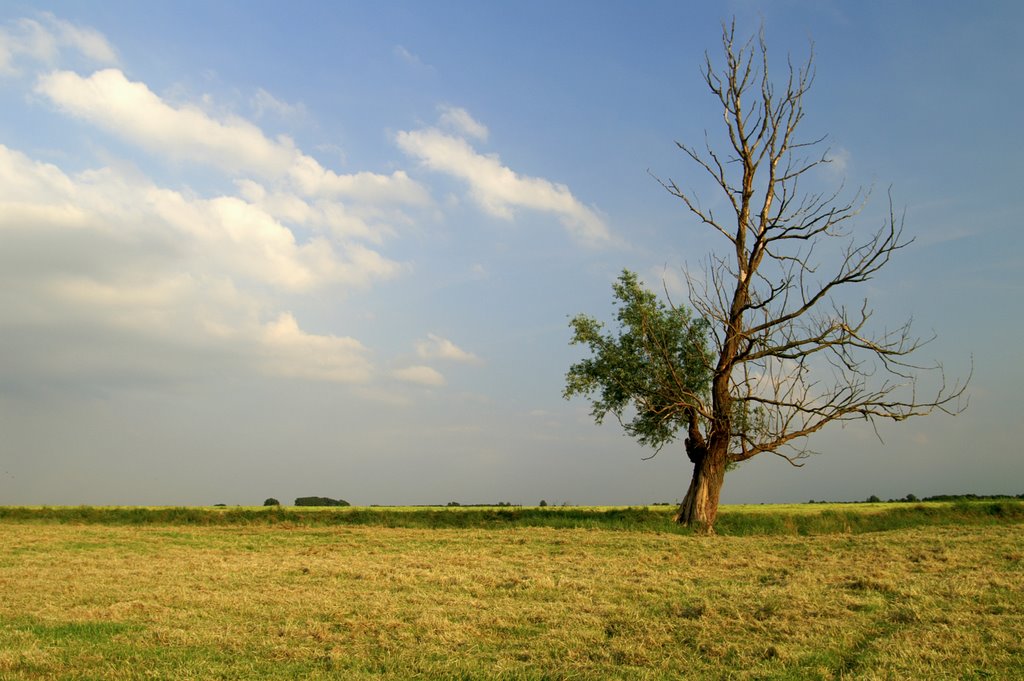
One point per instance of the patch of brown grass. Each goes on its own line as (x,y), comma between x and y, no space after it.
(267,602)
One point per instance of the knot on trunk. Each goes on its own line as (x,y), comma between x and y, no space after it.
(695,451)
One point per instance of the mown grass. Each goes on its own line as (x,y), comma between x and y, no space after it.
(280,600)
(802,519)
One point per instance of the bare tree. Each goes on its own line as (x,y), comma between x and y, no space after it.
(787,354)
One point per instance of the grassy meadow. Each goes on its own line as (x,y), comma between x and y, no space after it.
(908,591)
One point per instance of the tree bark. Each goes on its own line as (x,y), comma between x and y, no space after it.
(700,505)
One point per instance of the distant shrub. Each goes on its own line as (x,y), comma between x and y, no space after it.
(271,502)
(320,501)
(542,503)
(453,504)
(873,499)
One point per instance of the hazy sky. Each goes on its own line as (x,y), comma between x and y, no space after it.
(286,249)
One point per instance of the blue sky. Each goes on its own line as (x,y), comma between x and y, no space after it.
(249,250)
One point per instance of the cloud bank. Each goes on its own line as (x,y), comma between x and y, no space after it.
(175,279)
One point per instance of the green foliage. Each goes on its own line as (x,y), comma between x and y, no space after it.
(271,502)
(320,501)
(651,373)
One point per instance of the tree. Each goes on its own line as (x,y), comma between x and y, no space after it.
(782,355)
(320,501)
(271,502)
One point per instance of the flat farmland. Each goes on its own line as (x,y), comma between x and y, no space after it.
(281,600)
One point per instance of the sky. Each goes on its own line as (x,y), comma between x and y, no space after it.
(254,250)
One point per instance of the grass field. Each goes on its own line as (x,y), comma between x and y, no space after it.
(105,598)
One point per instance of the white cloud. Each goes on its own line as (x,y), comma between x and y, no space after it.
(838,161)
(155,268)
(246,240)
(29,38)
(435,347)
(342,221)
(420,375)
(264,103)
(32,40)
(312,179)
(130,110)
(90,42)
(411,59)
(498,189)
(295,353)
(459,121)
(668,279)
(225,234)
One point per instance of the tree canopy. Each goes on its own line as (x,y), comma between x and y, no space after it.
(653,374)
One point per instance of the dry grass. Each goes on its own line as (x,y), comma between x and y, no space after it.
(127,602)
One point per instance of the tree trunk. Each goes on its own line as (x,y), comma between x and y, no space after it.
(700,505)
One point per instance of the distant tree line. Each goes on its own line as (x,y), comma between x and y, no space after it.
(971,497)
(320,501)
(874,499)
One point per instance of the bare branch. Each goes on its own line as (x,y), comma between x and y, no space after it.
(791,358)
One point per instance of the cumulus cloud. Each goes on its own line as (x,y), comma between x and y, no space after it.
(419,375)
(252,230)
(244,239)
(312,179)
(436,347)
(498,189)
(150,279)
(225,234)
(295,353)
(341,220)
(459,121)
(156,268)
(130,110)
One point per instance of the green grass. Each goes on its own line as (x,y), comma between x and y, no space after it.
(802,519)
